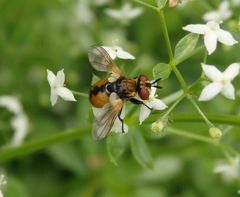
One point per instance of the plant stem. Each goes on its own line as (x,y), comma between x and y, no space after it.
(190,135)
(146,4)
(79,93)
(166,35)
(10,152)
(173,106)
(200,112)
(172,62)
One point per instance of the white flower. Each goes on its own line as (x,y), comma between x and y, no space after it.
(2,182)
(236,2)
(153,103)
(11,103)
(219,15)
(230,171)
(116,51)
(100,2)
(212,33)
(57,87)
(20,124)
(125,14)
(221,81)
(83,12)
(19,121)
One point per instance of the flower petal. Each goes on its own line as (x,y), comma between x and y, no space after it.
(211,16)
(113,13)
(50,77)
(111,52)
(60,78)
(65,93)
(144,113)
(226,38)
(210,41)
(232,71)
(20,125)
(135,12)
(152,93)
(124,55)
(212,72)
(158,104)
(53,97)
(229,92)
(198,29)
(1,194)
(210,91)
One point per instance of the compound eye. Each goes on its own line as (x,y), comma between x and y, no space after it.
(143,78)
(144,94)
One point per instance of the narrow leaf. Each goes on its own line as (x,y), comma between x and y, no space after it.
(162,71)
(116,145)
(185,45)
(140,149)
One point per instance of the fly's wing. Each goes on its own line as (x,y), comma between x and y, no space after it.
(105,119)
(101,61)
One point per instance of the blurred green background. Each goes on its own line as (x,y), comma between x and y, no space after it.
(39,35)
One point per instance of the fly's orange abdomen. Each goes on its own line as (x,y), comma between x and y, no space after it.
(98,96)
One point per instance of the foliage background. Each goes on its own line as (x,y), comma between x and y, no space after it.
(39,35)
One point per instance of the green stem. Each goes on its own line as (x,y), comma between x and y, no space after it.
(79,93)
(200,112)
(217,118)
(173,106)
(170,53)
(147,5)
(194,136)
(7,153)
(191,135)
(166,35)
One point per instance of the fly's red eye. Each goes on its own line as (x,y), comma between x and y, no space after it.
(143,94)
(143,78)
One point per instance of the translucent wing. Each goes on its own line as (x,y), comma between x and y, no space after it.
(105,119)
(99,59)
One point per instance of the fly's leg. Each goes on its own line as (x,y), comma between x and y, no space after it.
(138,102)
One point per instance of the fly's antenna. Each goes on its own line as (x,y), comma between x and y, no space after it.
(158,87)
(154,82)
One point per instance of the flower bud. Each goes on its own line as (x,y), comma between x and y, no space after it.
(215,132)
(157,126)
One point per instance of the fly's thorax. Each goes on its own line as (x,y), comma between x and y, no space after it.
(125,87)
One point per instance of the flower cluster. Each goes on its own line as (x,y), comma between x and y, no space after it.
(212,33)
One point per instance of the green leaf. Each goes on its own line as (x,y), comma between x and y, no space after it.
(140,149)
(161,3)
(185,45)
(68,157)
(161,70)
(116,145)
(15,187)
